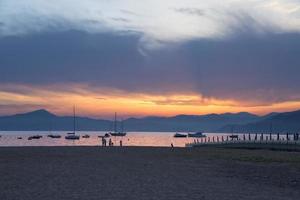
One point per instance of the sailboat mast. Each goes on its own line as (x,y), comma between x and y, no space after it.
(74,119)
(122,126)
(115,124)
(50,126)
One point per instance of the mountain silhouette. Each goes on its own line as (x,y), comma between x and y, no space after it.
(274,122)
(238,122)
(207,123)
(44,120)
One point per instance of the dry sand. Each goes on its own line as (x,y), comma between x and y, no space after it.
(50,173)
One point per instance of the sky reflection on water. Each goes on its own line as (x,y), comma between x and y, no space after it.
(158,139)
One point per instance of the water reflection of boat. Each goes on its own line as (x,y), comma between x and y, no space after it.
(197,135)
(180,135)
(72,135)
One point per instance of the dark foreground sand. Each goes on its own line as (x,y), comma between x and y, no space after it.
(42,173)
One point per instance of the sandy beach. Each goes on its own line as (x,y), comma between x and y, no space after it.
(34,173)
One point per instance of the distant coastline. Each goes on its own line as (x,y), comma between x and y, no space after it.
(42,120)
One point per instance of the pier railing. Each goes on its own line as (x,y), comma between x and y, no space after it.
(219,141)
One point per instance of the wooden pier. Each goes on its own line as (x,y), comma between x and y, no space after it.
(288,142)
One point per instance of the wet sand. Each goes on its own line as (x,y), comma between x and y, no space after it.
(50,173)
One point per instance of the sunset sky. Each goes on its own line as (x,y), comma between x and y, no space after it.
(149,57)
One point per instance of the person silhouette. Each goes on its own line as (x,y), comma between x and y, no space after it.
(103,142)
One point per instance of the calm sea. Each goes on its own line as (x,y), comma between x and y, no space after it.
(158,139)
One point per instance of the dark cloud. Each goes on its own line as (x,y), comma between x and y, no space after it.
(245,66)
(92,21)
(106,60)
(120,19)
(248,67)
(191,11)
(244,24)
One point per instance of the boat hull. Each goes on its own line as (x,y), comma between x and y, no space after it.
(35,137)
(72,137)
(54,136)
(178,135)
(234,136)
(118,134)
(196,136)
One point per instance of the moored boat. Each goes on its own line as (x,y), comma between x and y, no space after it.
(35,137)
(120,134)
(116,133)
(54,136)
(196,135)
(180,135)
(234,136)
(86,136)
(72,135)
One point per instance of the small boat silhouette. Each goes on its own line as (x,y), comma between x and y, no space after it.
(180,135)
(54,136)
(197,135)
(35,137)
(86,136)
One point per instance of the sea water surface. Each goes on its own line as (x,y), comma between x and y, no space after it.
(154,139)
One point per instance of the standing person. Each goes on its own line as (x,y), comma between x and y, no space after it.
(103,142)
(121,143)
(110,142)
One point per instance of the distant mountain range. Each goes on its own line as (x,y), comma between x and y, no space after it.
(275,122)
(227,122)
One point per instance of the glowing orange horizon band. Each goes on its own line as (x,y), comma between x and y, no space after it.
(136,105)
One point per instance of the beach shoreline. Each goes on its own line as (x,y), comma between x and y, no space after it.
(94,172)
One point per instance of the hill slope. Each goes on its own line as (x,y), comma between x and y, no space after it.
(280,122)
(44,120)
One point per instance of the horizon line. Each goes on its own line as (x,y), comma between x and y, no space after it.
(141,117)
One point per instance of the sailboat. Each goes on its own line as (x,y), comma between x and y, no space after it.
(72,135)
(53,136)
(196,135)
(116,133)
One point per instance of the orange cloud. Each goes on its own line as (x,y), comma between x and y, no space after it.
(103,102)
